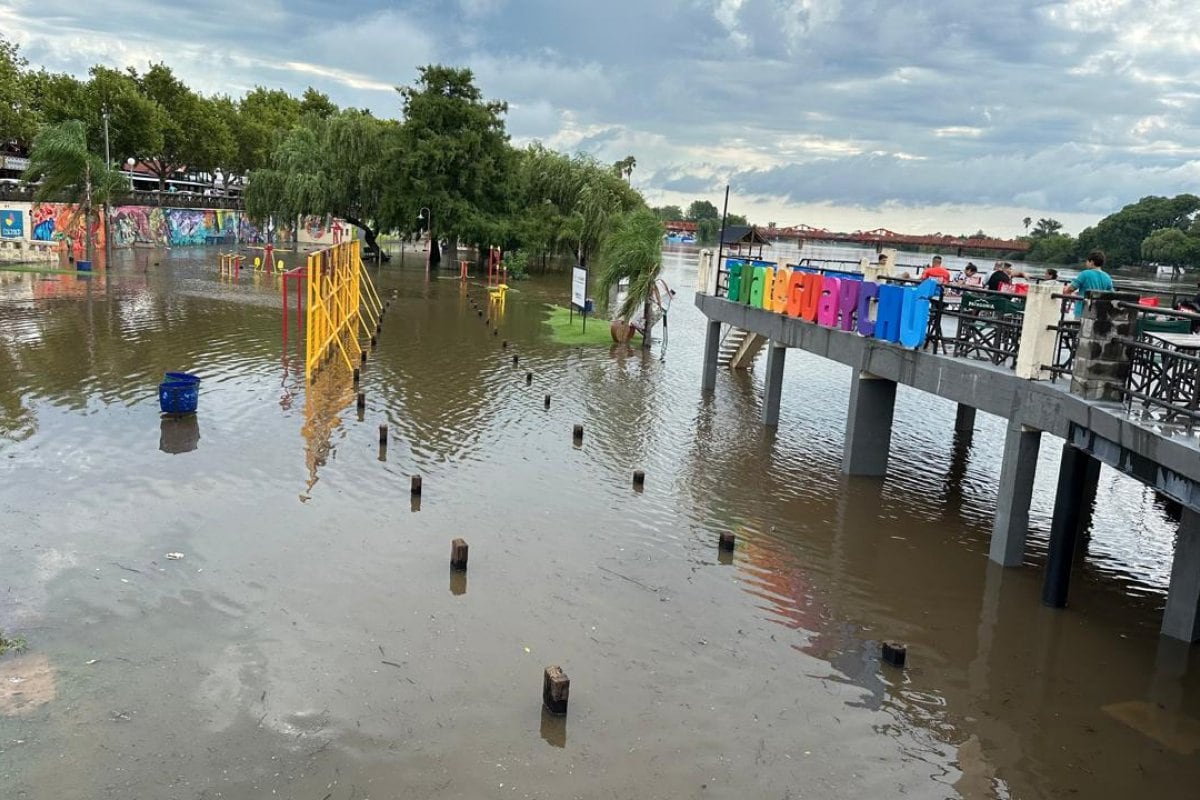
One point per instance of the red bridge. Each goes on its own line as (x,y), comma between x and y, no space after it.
(882,237)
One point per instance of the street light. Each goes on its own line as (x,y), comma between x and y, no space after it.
(107,155)
(423,217)
(129,165)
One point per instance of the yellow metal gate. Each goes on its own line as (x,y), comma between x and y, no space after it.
(342,301)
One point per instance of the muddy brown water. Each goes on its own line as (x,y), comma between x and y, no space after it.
(313,643)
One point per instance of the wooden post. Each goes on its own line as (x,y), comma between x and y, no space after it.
(416,484)
(383,435)
(357,375)
(364,357)
(458,554)
(374,342)
(727,540)
(528,378)
(515,359)
(894,654)
(577,433)
(547,402)
(556,689)
(639,477)
(504,344)
(362,401)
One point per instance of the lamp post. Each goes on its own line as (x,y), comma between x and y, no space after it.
(423,220)
(107,154)
(130,163)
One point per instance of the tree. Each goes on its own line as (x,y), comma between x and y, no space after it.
(328,166)
(18,119)
(1120,234)
(702,209)
(1171,246)
(317,104)
(1046,226)
(60,159)
(1026,222)
(624,167)
(669,213)
(193,133)
(633,250)
(134,122)
(453,154)
(1055,248)
(264,117)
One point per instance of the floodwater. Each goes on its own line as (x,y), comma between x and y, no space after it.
(312,642)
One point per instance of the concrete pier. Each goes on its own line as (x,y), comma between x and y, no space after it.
(1017,472)
(712,350)
(1181,619)
(1064,528)
(869,426)
(774,383)
(964,418)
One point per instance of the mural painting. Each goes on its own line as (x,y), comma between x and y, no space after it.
(52,222)
(194,226)
(130,225)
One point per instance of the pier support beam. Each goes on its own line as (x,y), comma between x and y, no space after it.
(774,384)
(1181,620)
(964,419)
(712,349)
(1017,472)
(1064,528)
(869,426)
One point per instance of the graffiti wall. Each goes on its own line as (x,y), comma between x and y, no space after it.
(145,225)
(152,226)
(323,230)
(51,222)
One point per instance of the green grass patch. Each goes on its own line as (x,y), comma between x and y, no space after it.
(36,268)
(564,331)
(16,644)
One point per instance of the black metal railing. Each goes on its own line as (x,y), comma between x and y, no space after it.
(22,193)
(986,324)
(1164,376)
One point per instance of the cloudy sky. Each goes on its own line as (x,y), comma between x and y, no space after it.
(927,115)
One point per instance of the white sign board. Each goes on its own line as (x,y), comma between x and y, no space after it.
(579,287)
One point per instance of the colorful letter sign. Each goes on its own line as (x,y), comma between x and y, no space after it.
(12,224)
(835,300)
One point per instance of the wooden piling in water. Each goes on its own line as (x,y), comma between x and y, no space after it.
(364,357)
(577,433)
(895,654)
(362,401)
(639,477)
(727,541)
(383,435)
(547,402)
(357,375)
(556,690)
(416,485)
(458,554)
(528,378)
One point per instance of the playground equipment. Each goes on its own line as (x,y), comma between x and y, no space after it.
(231,264)
(462,271)
(341,301)
(497,277)
(267,262)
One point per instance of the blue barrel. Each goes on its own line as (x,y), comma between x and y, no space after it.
(179,397)
(83,266)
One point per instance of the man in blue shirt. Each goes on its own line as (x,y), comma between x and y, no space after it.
(1092,279)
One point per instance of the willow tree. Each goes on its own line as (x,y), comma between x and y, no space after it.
(324,166)
(633,250)
(69,172)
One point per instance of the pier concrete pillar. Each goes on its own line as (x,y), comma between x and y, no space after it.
(774,383)
(869,426)
(712,350)
(1017,472)
(1181,619)
(964,418)
(1101,362)
(1064,528)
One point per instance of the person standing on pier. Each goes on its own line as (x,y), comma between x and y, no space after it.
(1092,279)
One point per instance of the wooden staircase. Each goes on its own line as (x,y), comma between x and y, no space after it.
(739,348)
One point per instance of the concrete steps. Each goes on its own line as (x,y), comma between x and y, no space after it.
(740,348)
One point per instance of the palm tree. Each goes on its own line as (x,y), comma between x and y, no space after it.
(1027,220)
(633,250)
(69,171)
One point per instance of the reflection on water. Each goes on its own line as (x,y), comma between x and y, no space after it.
(307,645)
